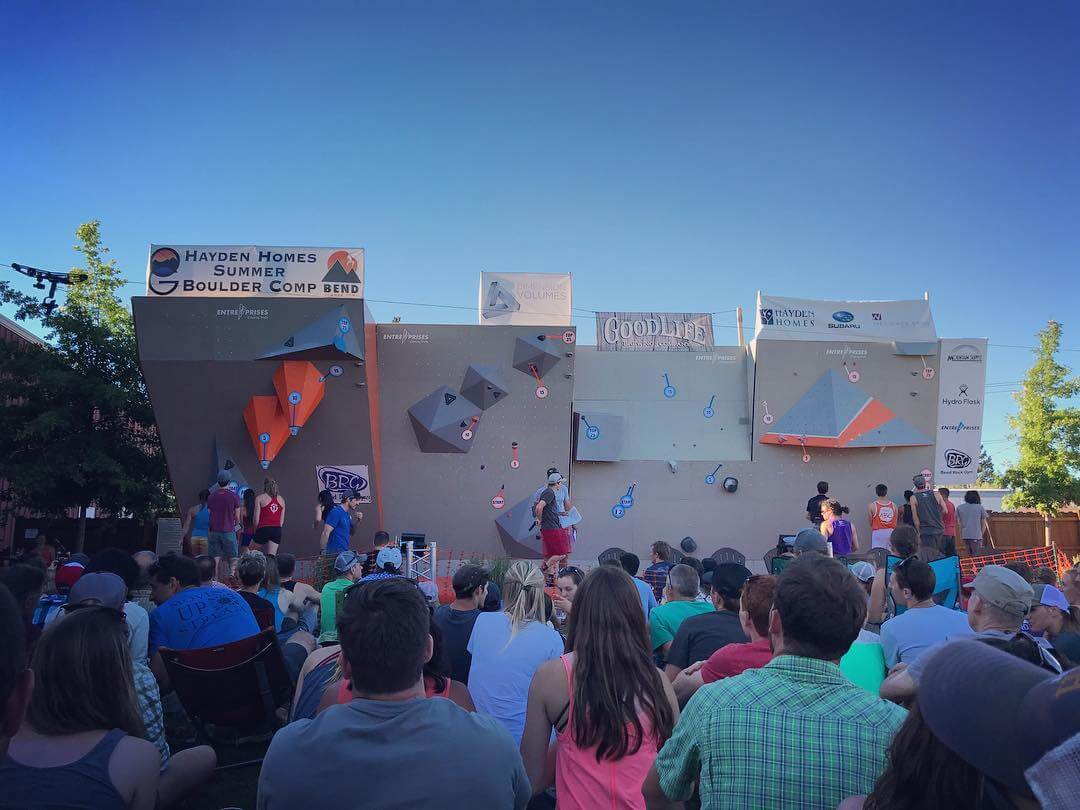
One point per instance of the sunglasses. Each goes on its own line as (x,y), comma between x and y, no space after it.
(570,571)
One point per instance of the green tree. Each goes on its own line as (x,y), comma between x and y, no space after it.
(986,475)
(1048,433)
(79,429)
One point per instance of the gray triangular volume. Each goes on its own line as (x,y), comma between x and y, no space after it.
(439,419)
(518,531)
(532,353)
(334,335)
(484,385)
(225,460)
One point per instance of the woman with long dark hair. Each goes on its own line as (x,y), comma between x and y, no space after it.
(609,705)
(247,518)
(83,743)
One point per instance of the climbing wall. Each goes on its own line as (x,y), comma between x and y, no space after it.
(471,419)
(261,387)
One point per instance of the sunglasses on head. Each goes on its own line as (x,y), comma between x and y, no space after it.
(570,570)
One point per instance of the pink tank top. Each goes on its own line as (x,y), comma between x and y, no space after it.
(582,783)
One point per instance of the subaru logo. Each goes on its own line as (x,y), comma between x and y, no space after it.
(956,460)
(843,317)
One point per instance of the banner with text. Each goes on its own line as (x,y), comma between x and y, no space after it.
(342,478)
(525,299)
(805,319)
(654,332)
(252,271)
(961,390)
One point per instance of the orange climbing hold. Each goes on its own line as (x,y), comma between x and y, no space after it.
(267,426)
(300,389)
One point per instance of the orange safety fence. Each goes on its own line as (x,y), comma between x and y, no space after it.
(1042,556)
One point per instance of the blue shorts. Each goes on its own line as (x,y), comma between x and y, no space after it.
(223,544)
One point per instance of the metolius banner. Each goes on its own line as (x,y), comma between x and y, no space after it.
(804,319)
(654,332)
(961,391)
(252,271)
(525,299)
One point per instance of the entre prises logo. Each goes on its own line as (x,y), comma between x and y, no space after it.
(405,336)
(244,313)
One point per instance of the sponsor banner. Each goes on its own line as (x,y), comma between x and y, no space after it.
(254,271)
(525,299)
(654,331)
(340,478)
(804,319)
(961,391)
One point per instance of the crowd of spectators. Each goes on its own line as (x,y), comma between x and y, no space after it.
(698,684)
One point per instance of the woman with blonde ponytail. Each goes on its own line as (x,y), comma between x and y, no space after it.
(507,647)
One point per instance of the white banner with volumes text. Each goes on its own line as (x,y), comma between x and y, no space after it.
(781,318)
(961,391)
(525,299)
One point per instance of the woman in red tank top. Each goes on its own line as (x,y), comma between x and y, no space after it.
(269,517)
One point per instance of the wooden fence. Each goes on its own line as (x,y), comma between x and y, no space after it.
(1027,530)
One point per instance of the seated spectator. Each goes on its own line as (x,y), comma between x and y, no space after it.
(206,572)
(437,681)
(308,596)
(661,557)
(630,564)
(253,570)
(100,587)
(50,603)
(769,737)
(191,617)
(319,672)
(735,658)
(1000,601)
(16,682)
(567,582)
(1023,569)
(810,541)
(924,623)
(287,605)
(1055,621)
(698,637)
(903,543)
(140,594)
(83,736)
(387,564)
(1043,575)
(1070,585)
(680,603)
(864,572)
(463,758)
(24,582)
(953,752)
(348,568)
(609,675)
(456,620)
(507,647)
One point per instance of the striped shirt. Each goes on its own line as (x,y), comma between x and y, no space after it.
(795,733)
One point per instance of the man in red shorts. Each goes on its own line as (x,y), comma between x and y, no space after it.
(553,537)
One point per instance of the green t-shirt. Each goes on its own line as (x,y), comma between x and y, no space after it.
(664,620)
(328,603)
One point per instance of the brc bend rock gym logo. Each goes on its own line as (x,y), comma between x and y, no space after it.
(957,459)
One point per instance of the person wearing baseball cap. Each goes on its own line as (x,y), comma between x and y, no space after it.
(387,564)
(1016,724)
(97,589)
(810,541)
(348,568)
(1055,620)
(927,513)
(997,608)
(456,620)
(700,636)
(554,539)
(49,604)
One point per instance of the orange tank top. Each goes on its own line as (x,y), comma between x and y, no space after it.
(884,515)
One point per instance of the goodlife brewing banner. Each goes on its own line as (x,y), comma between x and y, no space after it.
(525,299)
(961,390)
(804,319)
(654,332)
(252,271)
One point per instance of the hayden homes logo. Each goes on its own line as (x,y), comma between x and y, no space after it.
(244,313)
(792,317)
(405,336)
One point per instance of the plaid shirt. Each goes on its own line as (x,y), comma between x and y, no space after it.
(795,733)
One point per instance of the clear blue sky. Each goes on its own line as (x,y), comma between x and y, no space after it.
(676,156)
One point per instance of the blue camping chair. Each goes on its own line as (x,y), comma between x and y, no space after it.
(947,573)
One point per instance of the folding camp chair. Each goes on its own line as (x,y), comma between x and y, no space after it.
(729,555)
(238,685)
(946,589)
